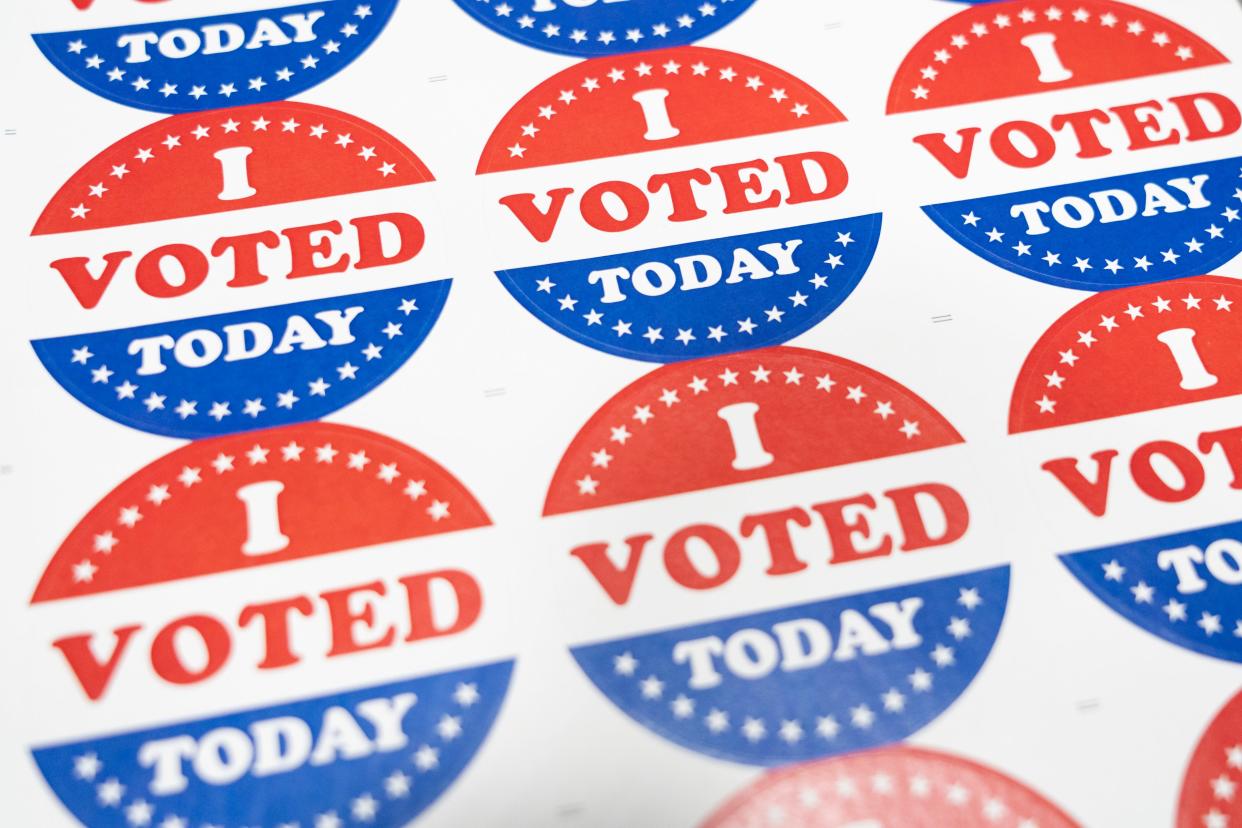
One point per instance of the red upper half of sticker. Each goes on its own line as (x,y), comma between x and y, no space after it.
(697,425)
(257,498)
(648,101)
(998,50)
(230,159)
(1133,349)
(1209,789)
(900,785)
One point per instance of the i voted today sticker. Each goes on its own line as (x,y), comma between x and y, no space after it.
(591,28)
(233,59)
(612,257)
(733,668)
(245,680)
(1210,787)
(237,269)
(889,786)
(1127,352)
(1127,122)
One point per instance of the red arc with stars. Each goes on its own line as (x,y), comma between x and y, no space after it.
(292,492)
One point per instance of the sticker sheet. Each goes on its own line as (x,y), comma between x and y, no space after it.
(610,413)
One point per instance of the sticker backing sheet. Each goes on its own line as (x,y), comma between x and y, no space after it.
(622,413)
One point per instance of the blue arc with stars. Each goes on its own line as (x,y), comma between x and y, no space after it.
(706,321)
(385,783)
(1199,612)
(311,379)
(846,703)
(153,75)
(1184,241)
(604,27)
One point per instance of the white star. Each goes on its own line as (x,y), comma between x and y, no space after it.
(894,701)
(86,766)
(652,687)
(827,727)
(396,785)
(920,680)
(969,598)
(959,628)
(790,731)
(129,516)
(426,757)
(449,727)
(466,694)
(138,813)
(1176,610)
(1210,624)
(110,792)
(624,664)
(754,729)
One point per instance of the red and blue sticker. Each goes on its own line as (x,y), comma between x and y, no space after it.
(377,754)
(234,59)
(889,786)
(314,302)
(1210,788)
(1123,352)
(1089,231)
(648,299)
(793,682)
(595,28)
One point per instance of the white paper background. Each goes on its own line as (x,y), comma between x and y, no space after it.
(1091,711)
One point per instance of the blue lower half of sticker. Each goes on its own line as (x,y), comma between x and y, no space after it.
(244,370)
(219,61)
(704,298)
(1107,233)
(1185,588)
(594,28)
(811,680)
(376,756)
